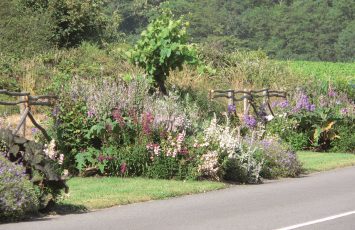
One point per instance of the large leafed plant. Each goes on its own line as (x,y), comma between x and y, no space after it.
(163,46)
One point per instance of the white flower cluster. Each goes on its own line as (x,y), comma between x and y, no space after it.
(51,152)
(226,139)
(175,145)
(209,166)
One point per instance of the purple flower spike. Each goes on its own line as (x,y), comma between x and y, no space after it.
(303,103)
(250,121)
(284,104)
(312,108)
(232,109)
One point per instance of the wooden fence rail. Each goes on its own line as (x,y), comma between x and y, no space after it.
(28,101)
(248,97)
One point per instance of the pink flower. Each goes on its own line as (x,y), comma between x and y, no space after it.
(123,168)
(147,122)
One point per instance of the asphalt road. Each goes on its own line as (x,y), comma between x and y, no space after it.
(319,201)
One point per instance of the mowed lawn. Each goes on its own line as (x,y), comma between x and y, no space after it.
(316,162)
(95,193)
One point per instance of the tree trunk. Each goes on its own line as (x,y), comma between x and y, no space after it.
(160,84)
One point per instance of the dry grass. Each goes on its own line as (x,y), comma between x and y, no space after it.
(12,121)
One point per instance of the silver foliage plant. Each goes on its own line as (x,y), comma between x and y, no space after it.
(104,94)
(172,114)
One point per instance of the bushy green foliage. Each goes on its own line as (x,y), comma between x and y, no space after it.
(17,194)
(286,129)
(71,127)
(179,168)
(315,122)
(312,30)
(162,47)
(346,140)
(77,21)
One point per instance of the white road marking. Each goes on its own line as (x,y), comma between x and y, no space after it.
(317,221)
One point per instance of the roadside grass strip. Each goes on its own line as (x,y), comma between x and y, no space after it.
(103,192)
(317,162)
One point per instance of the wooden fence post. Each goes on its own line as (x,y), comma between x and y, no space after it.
(266,96)
(230,97)
(24,111)
(245,102)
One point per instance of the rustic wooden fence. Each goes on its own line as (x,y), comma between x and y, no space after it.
(248,97)
(27,102)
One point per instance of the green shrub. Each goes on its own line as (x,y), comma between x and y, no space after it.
(346,140)
(165,167)
(115,161)
(286,129)
(315,121)
(71,126)
(17,194)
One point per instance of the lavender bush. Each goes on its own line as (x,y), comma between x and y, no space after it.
(279,159)
(17,195)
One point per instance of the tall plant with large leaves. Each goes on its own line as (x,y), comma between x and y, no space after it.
(163,46)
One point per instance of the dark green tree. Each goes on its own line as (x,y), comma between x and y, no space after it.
(22,32)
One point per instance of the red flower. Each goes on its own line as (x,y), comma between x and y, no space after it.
(184,151)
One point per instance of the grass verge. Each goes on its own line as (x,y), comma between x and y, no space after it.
(97,193)
(317,162)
